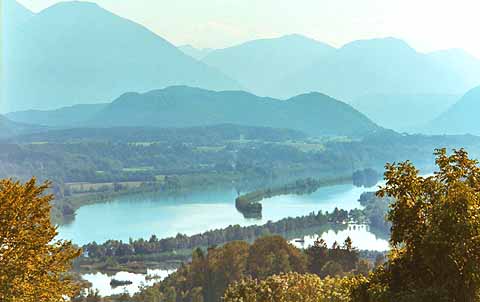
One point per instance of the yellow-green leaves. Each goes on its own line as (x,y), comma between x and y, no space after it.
(32,263)
(293,287)
(435,231)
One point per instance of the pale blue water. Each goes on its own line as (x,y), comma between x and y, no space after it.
(140,216)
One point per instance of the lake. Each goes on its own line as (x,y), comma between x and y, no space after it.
(140,216)
(101,282)
(361,237)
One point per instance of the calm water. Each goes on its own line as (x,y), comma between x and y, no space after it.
(143,215)
(361,237)
(101,282)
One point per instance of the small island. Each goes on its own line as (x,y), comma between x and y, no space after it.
(249,204)
(116,283)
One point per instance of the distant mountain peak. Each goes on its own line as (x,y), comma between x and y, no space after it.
(312,94)
(75,5)
(77,9)
(473,94)
(13,14)
(298,37)
(289,38)
(259,65)
(380,44)
(86,54)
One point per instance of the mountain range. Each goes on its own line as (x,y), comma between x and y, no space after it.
(377,66)
(261,65)
(182,106)
(294,64)
(77,52)
(386,79)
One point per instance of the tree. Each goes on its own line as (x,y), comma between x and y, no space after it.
(363,267)
(274,255)
(33,264)
(332,269)
(225,265)
(317,255)
(292,287)
(435,235)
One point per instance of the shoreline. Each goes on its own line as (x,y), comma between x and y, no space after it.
(80,200)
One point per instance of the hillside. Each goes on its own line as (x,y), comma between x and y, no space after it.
(377,66)
(196,53)
(65,116)
(403,112)
(85,54)
(9,128)
(259,65)
(460,62)
(13,15)
(461,118)
(181,106)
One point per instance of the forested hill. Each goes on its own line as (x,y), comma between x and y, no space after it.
(86,54)
(63,117)
(181,106)
(190,135)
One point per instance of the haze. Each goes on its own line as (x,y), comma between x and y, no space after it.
(426,25)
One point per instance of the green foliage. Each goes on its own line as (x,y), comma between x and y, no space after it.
(209,274)
(113,253)
(331,262)
(375,211)
(365,178)
(273,255)
(435,233)
(293,287)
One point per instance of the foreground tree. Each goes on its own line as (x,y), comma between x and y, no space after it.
(32,262)
(435,235)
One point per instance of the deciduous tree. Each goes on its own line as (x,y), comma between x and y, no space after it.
(33,263)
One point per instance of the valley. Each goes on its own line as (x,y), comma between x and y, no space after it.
(239,151)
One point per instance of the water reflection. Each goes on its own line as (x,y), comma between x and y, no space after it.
(140,216)
(101,282)
(360,234)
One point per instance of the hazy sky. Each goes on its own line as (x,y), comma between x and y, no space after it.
(425,24)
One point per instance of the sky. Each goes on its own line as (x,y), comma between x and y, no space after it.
(426,25)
